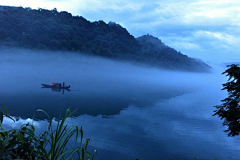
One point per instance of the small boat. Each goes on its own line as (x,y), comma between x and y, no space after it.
(55,85)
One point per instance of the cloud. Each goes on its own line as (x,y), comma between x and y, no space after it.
(217,47)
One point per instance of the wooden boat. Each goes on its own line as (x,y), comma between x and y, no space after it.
(55,85)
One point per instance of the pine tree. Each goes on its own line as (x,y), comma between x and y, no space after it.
(229,110)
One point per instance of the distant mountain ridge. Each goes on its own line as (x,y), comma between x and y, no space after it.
(53,30)
(166,57)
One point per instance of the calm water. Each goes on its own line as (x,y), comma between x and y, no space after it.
(128,111)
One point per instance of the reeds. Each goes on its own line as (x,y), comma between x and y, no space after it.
(22,143)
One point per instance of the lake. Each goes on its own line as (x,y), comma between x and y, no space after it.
(128,111)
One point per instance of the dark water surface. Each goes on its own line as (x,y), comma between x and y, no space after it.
(128,111)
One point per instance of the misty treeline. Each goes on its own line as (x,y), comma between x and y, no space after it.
(52,30)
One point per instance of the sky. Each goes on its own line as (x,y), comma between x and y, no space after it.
(203,29)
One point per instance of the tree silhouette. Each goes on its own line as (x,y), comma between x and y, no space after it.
(229,111)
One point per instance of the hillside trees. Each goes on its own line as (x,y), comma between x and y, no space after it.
(53,30)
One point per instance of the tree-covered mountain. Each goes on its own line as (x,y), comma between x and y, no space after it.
(158,54)
(53,30)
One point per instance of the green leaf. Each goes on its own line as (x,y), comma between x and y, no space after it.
(81,131)
(72,152)
(20,137)
(9,117)
(1,117)
(83,153)
(94,153)
(33,128)
(42,143)
(5,109)
(40,110)
(77,132)
(5,143)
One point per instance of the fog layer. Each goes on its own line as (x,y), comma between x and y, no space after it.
(139,112)
(96,83)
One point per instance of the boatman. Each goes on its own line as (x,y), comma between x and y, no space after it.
(63,84)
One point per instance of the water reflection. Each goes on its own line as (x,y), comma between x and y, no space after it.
(57,89)
(128,111)
(162,131)
(91,102)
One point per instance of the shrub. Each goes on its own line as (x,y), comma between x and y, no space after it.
(22,143)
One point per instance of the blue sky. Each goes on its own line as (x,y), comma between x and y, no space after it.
(204,29)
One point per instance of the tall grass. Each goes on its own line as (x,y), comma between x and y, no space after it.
(22,143)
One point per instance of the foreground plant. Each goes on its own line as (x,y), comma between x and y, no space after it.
(24,144)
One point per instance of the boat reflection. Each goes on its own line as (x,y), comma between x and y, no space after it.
(58,89)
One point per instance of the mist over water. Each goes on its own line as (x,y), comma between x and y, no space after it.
(129,111)
(96,83)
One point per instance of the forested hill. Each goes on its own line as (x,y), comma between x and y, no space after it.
(53,30)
